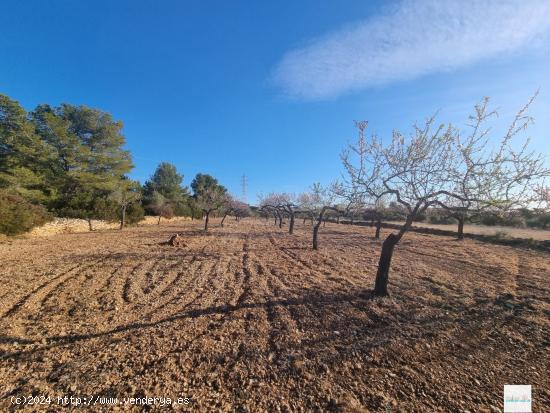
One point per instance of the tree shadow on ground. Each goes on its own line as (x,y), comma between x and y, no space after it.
(332,306)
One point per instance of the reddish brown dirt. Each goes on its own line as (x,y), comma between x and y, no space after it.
(249,318)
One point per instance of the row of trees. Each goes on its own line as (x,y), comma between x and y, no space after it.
(464,172)
(534,217)
(165,196)
(70,161)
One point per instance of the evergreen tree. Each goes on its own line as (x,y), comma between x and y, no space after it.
(203,181)
(24,157)
(89,161)
(167,182)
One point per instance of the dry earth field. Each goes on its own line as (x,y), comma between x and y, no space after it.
(524,233)
(248,318)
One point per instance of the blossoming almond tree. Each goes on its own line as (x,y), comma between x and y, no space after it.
(233,206)
(271,203)
(492,175)
(316,203)
(432,167)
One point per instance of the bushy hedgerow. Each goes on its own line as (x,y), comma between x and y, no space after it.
(17,215)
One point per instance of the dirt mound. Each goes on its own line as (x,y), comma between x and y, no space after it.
(176,240)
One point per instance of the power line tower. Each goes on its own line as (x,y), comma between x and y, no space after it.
(244,183)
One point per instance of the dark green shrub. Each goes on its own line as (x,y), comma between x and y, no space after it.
(540,220)
(544,221)
(514,221)
(509,220)
(420,217)
(183,209)
(490,220)
(438,218)
(394,212)
(134,213)
(104,209)
(18,215)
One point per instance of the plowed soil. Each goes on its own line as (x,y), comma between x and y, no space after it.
(248,318)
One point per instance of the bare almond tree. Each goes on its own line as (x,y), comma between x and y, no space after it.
(289,204)
(492,175)
(409,169)
(427,169)
(355,202)
(127,193)
(161,206)
(241,210)
(272,203)
(543,197)
(282,204)
(234,207)
(374,212)
(210,198)
(316,203)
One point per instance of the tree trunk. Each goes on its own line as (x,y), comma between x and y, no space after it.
(382,276)
(90,227)
(351,221)
(378,226)
(291,224)
(223,219)
(324,222)
(304,221)
(158,222)
(338,219)
(316,228)
(280,221)
(123,217)
(316,235)
(206,221)
(460,227)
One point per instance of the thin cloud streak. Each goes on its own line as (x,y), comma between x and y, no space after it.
(411,39)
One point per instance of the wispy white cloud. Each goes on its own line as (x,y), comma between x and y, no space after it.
(411,39)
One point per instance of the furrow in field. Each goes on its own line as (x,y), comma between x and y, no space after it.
(37,294)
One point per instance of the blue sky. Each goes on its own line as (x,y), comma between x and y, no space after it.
(271,89)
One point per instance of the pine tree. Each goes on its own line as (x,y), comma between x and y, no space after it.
(89,161)
(24,157)
(167,182)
